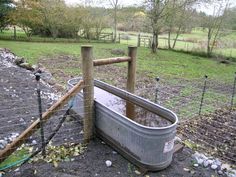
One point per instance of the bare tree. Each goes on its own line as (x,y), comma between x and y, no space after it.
(156,13)
(159,11)
(182,23)
(115,5)
(178,13)
(214,23)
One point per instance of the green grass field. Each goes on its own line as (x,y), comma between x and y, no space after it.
(171,66)
(168,63)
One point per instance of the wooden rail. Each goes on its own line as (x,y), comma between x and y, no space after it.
(109,61)
(36,125)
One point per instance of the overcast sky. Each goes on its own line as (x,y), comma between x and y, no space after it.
(123,2)
(208,10)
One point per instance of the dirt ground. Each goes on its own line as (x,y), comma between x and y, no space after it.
(92,163)
(216,130)
(18,109)
(216,133)
(178,94)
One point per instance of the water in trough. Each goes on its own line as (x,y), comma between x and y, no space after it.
(142,116)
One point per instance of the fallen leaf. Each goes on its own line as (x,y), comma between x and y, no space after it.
(137,172)
(186,169)
(55,164)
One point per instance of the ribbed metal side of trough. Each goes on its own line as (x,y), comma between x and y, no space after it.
(150,148)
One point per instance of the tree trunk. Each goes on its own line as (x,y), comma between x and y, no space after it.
(215,37)
(176,37)
(54,35)
(209,42)
(115,27)
(169,45)
(27,32)
(155,42)
(14,32)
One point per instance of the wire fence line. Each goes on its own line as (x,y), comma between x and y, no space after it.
(206,109)
(196,97)
(19,114)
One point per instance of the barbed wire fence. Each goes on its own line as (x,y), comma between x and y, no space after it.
(206,110)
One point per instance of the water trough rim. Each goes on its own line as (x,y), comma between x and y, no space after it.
(173,124)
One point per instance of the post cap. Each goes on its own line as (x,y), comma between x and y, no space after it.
(86,46)
(132,46)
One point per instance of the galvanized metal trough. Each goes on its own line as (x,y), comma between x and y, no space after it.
(150,148)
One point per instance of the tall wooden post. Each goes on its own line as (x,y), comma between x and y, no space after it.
(88,92)
(131,80)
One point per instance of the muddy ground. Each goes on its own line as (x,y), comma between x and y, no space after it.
(19,108)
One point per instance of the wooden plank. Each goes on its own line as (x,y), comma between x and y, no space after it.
(109,61)
(36,125)
(130,108)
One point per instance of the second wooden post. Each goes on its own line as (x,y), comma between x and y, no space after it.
(139,40)
(131,80)
(88,92)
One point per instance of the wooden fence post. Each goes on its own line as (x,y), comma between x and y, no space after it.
(132,53)
(88,92)
(14,32)
(139,38)
(112,37)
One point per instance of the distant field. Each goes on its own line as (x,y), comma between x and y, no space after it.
(194,41)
